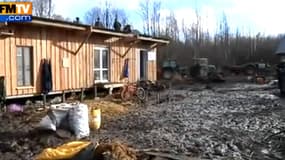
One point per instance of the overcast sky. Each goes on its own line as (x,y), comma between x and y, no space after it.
(265,16)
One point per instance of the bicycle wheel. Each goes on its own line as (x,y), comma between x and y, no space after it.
(125,94)
(140,92)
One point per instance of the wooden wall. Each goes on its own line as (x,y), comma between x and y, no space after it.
(57,44)
(152,69)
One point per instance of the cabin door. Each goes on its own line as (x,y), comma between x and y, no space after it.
(143,65)
(101,65)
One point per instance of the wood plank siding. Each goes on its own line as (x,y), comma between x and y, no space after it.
(60,45)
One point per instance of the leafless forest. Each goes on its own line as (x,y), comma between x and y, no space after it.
(226,46)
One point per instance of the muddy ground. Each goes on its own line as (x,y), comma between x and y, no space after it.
(233,121)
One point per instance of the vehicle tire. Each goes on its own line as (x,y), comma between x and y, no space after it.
(260,80)
(167,74)
(250,70)
(141,93)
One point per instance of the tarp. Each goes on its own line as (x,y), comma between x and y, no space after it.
(65,151)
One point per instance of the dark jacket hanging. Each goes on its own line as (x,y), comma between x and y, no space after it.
(50,72)
(126,69)
(46,76)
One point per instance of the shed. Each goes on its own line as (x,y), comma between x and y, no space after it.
(80,56)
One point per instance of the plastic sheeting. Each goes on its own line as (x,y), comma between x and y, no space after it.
(65,151)
(55,117)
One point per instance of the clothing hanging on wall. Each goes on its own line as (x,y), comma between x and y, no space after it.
(126,68)
(2,90)
(51,85)
(46,76)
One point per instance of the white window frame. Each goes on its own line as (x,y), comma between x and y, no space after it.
(101,69)
(31,74)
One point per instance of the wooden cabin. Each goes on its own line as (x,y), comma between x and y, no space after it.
(80,56)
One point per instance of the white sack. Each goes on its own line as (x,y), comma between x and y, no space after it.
(78,120)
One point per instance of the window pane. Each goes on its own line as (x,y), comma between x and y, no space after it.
(20,77)
(27,66)
(97,58)
(105,75)
(97,75)
(105,58)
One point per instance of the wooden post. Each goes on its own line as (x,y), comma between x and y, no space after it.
(170,94)
(158,97)
(82,95)
(44,99)
(63,96)
(95,91)
(110,90)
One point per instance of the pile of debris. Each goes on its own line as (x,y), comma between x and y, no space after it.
(25,130)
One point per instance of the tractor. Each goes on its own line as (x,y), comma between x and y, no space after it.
(170,68)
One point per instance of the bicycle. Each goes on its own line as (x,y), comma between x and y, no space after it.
(133,90)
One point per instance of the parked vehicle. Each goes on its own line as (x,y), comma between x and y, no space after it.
(201,70)
(170,68)
(249,68)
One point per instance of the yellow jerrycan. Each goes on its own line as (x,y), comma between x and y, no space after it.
(95,118)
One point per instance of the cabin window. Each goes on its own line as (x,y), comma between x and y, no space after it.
(101,65)
(24,66)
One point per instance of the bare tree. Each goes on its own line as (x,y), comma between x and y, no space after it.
(43,8)
(145,14)
(225,37)
(107,15)
(186,33)
(155,18)
(92,15)
(222,48)
(49,8)
(121,15)
(172,29)
(194,34)
(150,14)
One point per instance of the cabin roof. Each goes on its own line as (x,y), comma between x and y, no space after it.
(83,27)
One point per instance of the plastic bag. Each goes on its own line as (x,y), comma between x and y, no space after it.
(79,121)
(15,108)
(65,151)
(47,123)
(87,153)
(55,117)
